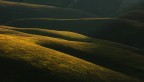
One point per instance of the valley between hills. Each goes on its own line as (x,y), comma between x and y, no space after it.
(51,43)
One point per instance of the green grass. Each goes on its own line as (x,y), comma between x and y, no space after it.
(111,55)
(23,59)
(124,31)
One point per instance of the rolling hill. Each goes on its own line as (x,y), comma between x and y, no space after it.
(106,8)
(14,10)
(23,59)
(59,3)
(108,54)
(134,13)
(129,32)
(45,64)
(65,41)
(103,8)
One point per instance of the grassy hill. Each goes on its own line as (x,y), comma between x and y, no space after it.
(134,13)
(103,8)
(45,43)
(124,31)
(137,15)
(108,54)
(23,59)
(15,10)
(53,65)
(59,3)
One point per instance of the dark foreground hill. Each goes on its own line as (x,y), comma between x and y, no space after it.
(42,51)
(14,10)
(124,31)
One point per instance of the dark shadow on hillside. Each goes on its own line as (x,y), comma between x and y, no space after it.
(97,59)
(12,70)
(128,32)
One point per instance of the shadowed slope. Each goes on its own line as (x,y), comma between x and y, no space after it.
(134,13)
(124,31)
(61,34)
(117,57)
(53,33)
(104,8)
(137,15)
(59,3)
(59,65)
(14,10)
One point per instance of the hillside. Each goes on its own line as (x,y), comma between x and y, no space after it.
(14,10)
(49,64)
(103,8)
(107,8)
(71,41)
(107,54)
(59,3)
(134,13)
(118,30)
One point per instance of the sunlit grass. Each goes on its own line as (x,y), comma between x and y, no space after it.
(35,50)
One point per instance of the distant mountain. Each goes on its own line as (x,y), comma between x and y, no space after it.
(14,10)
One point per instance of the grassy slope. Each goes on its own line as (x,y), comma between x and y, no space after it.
(52,33)
(65,35)
(118,30)
(108,54)
(137,15)
(134,13)
(14,10)
(103,8)
(51,65)
(60,3)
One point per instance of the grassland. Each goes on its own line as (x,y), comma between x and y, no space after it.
(124,59)
(103,8)
(58,3)
(45,43)
(129,32)
(137,15)
(16,10)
